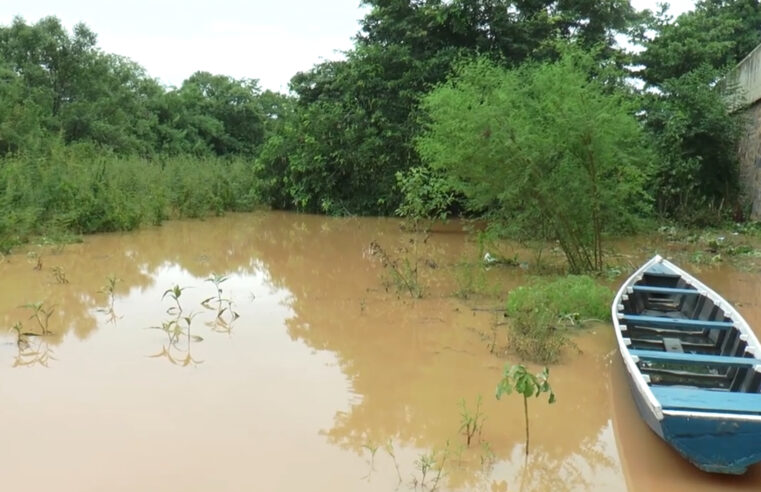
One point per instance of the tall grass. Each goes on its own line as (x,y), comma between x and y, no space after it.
(78,191)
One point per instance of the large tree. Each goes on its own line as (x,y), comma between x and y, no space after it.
(356,120)
(687,107)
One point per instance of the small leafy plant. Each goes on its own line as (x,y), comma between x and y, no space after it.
(109,290)
(517,378)
(41,314)
(174,293)
(471,423)
(402,273)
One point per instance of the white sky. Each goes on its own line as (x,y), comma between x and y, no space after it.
(269,40)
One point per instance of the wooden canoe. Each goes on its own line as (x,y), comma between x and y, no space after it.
(693,364)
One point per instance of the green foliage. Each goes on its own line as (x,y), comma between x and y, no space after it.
(356,120)
(401,271)
(542,149)
(696,136)
(715,34)
(517,378)
(74,190)
(542,312)
(425,194)
(41,313)
(58,86)
(575,296)
(471,422)
(689,117)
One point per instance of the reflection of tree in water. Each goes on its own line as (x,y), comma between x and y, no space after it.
(410,362)
(201,248)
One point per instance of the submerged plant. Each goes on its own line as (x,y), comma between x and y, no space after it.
(430,465)
(22,337)
(59,274)
(109,290)
(217,280)
(389,448)
(174,293)
(471,422)
(176,330)
(517,378)
(402,273)
(41,314)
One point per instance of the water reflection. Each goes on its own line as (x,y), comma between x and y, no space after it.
(33,350)
(293,349)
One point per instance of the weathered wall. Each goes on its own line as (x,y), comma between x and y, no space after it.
(750,160)
(747,76)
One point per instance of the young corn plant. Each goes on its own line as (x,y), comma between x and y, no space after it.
(109,290)
(41,314)
(217,280)
(517,378)
(174,293)
(224,306)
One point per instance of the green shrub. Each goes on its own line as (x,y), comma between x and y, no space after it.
(575,295)
(542,312)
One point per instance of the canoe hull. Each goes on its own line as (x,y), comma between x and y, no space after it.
(713,444)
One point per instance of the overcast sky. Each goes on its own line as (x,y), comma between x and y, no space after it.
(263,39)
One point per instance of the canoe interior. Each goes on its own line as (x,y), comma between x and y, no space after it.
(686,344)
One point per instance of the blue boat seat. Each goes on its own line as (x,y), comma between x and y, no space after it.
(676,323)
(679,398)
(663,290)
(687,358)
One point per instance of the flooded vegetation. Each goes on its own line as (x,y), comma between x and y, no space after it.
(272,351)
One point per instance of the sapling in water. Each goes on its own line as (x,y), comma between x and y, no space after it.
(470,423)
(517,378)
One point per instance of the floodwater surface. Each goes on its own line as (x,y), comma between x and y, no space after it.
(302,368)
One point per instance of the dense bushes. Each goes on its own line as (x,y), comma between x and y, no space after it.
(78,190)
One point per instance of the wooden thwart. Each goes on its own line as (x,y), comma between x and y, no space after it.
(677,323)
(703,359)
(663,290)
(678,398)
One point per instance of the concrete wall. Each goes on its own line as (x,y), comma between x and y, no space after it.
(747,76)
(750,160)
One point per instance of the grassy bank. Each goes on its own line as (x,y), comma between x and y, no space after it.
(68,192)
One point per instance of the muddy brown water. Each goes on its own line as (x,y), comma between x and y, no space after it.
(324,381)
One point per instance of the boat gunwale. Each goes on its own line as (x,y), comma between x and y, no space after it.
(636,375)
